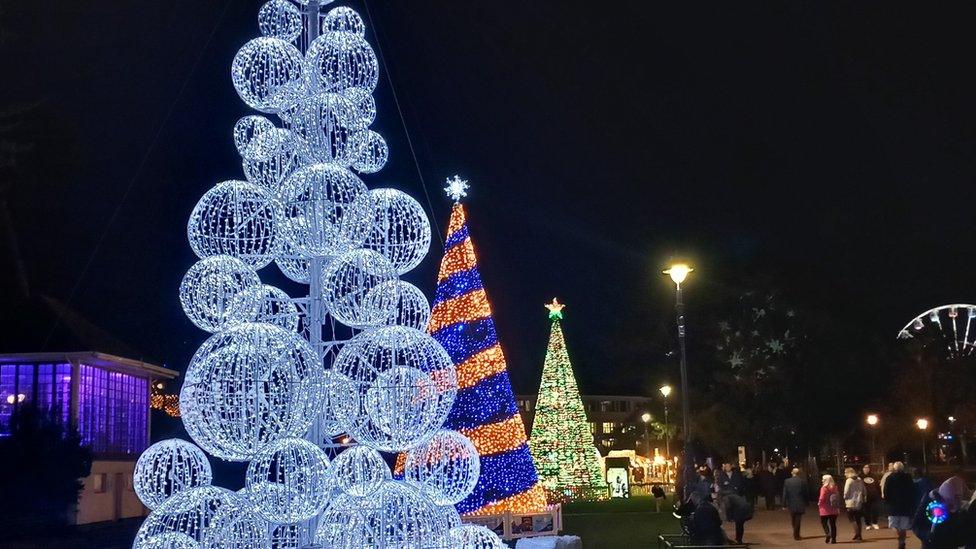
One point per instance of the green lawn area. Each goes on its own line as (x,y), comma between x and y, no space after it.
(619,522)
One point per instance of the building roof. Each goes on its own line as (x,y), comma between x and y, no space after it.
(92,358)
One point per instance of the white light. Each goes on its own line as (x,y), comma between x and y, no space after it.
(665,390)
(456,188)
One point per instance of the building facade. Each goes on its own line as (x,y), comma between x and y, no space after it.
(615,420)
(106,399)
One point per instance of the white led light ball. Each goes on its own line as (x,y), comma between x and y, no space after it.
(373,153)
(365,105)
(291,264)
(359,471)
(234,218)
(272,156)
(343,19)
(445,468)
(209,287)
(287,481)
(168,467)
(398,227)
(474,536)
(280,19)
(395,516)
(247,129)
(412,308)
(290,536)
(263,71)
(331,124)
(248,387)
(399,389)
(326,426)
(340,60)
(264,303)
(167,540)
(202,515)
(356,288)
(314,204)
(449,515)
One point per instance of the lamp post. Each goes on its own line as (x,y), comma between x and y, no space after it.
(646,418)
(872,421)
(665,391)
(923,425)
(678,273)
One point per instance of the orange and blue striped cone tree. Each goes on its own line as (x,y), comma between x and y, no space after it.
(485,409)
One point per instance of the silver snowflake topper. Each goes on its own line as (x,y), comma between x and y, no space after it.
(456,188)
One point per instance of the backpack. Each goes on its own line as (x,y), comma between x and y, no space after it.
(834,500)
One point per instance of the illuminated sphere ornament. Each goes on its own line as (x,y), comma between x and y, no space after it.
(314,204)
(474,536)
(365,105)
(249,386)
(357,290)
(445,468)
(331,125)
(209,287)
(168,467)
(234,218)
(340,60)
(264,70)
(291,264)
(326,426)
(398,228)
(289,536)
(395,516)
(449,515)
(272,156)
(343,19)
(399,389)
(412,308)
(167,540)
(373,153)
(248,128)
(359,471)
(264,303)
(280,19)
(204,515)
(286,482)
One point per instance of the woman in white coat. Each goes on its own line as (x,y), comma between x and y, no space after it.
(855,494)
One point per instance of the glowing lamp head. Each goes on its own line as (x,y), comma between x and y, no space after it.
(679,272)
(922,424)
(872,419)
(952,419)
(665,390)
(646,417)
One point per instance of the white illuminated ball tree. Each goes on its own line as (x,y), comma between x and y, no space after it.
(445,468)
(287,481)
(474,536)
(168,467)
(344,370)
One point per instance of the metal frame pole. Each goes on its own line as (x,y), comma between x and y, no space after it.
(685,419)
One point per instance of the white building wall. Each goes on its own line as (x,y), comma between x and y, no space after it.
(111,496)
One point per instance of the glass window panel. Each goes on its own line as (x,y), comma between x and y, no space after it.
(8,387)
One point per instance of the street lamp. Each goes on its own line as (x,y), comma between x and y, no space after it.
(665,391)
(646,418)
(678,273)
(923,425)
(872,421)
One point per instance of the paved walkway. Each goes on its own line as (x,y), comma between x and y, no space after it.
(773,529)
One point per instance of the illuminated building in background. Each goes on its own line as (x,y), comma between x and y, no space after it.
(106,399)
(562,444)
(484,409)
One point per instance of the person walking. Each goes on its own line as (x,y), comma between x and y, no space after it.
(795,499)
(923,485)
(954,490)
(829,504)
(781,475)
(899,497)
(737,511)
(767,485)
(854,498)
(872,503)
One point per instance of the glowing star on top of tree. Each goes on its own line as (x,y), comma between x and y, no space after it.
(484,409)
(561,441)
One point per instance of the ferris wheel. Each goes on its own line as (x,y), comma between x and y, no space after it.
(950,326)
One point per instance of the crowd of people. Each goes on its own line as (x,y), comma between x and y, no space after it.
(938,516)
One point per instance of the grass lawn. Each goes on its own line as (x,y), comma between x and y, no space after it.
(619,522)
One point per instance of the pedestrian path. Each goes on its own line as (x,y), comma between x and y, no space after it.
(773,529)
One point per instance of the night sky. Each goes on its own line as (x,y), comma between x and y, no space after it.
(826,148)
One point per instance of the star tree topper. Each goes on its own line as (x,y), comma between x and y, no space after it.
(456,188)
(555,309)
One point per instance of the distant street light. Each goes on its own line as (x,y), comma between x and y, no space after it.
(678,273)
(923,425)
(646,418)
(872,421)
(665,391)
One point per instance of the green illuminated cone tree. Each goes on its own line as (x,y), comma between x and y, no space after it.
(561,441)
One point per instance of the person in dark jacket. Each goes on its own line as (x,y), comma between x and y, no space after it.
(872,503)
(737,511)
(767,486)
(899,496)
(705,526)
(781,475)
(795,493)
